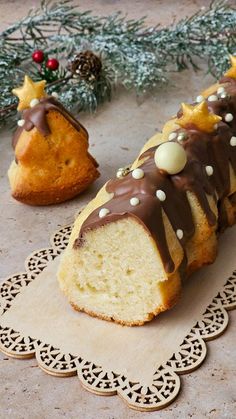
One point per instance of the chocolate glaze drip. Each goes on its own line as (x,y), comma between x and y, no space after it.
(37,117)
(202,149)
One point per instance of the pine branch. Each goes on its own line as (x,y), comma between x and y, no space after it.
(132,54)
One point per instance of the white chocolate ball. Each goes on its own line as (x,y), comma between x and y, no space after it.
(170,157)
(134,201)
(21,122)
(161,195)
(138,173)
(233,141)
(34,102)
(229,117)
(179,233)
(209,170)
(103,212)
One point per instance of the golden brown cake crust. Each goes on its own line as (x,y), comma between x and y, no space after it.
(169,304)
(53,168)
(55,196)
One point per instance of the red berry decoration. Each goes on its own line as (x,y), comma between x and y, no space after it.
(52,64)
(38,56)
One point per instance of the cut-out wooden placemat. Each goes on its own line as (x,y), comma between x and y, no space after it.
(140,364)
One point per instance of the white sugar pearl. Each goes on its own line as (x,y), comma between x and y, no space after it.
(233,141)
(134,201)
(21,122)
(170,157)
(172,136)
(119,173)
(181,136)
(223,95)
(212,98)
(138,173)
(220,90)
(54,94)
(200,99)
(103,212)
(179,233)
(33,102)
(161,195)
(209,170)
(122,172)
(229,117)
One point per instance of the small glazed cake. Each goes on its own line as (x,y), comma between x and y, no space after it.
(155,224)
(52,162)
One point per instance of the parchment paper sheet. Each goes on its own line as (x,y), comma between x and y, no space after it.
(42,312)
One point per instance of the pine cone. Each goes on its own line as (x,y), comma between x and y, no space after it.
(85,65)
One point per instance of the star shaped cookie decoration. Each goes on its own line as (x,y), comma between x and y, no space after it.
(232,71)
(198,116)
(29,91)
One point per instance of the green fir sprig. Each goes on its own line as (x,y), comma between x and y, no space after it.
(132,54)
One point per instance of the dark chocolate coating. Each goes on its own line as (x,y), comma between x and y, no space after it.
(37,117)
(202,149)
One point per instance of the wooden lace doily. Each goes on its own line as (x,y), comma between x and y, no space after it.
(165,383)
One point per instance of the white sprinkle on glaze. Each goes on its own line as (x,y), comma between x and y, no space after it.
(172,136)
(103,212)
(212,98)
(200,99)
(134,201)
(34,102)
(229,117)
(138,173)
(220,90)
(209,170)
(233,141)
(21,122)
(55,94)
(160,195)
(179,233)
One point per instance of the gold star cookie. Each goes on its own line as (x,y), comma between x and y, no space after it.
(30,90)
(199,117)
(232,71)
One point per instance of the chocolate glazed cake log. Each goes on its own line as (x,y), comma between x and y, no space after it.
(202,149)
(181,212)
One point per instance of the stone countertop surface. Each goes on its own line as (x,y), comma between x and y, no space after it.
(117,132)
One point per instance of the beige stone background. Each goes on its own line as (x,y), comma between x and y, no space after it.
(117,132)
